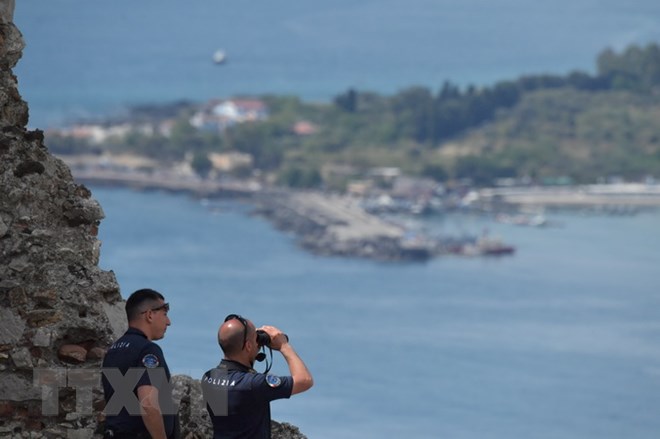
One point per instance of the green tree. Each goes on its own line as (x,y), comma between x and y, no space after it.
(347,101)
(185,137)
(298,177)
(414,108)
(201,164)
(262,140)
(481,170)
(635,68)
(436,172)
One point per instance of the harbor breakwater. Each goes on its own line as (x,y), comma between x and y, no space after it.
(336,225)
(324,224)
(332,224)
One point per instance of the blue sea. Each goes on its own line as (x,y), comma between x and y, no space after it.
(88,57)
(561,340)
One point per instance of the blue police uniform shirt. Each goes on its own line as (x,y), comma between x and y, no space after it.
(238,400)
(135,350)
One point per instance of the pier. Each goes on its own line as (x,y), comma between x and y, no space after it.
(622,194)
(337,225)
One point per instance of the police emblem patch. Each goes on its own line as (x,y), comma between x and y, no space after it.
(150,361)
(273,381)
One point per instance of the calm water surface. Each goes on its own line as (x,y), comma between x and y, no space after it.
(559,341)
(84,57)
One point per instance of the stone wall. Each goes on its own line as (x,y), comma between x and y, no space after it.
(6,11)
(58,310)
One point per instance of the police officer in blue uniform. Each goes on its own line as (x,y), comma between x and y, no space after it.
(237,397)
(135,375)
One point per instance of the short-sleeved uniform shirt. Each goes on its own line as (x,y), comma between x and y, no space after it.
(238,400)
(135,351)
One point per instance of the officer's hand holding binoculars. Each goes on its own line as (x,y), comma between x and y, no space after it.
(276,338)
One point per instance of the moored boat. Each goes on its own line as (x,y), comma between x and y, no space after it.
(219,56)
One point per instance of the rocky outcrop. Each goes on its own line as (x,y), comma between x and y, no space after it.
(194,419)
(6,11)
(58,310)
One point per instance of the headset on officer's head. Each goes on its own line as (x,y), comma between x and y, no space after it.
(263,340)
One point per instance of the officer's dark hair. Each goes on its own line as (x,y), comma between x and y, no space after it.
(137,299)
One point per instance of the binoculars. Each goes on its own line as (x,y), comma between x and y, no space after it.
(263,339)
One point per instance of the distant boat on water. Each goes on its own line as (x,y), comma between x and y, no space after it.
(537,220)
(219,56)
(493,247)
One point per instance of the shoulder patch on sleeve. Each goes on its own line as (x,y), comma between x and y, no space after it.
(273,381)
(150,361)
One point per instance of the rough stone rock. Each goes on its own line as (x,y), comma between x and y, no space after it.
(11,326)
(6,11)
(71,353)
(42,337)
(17,388)
(284,430)
(3,228)
(22,358)
(96,353)
(53,304)
(195,421)
(116,316)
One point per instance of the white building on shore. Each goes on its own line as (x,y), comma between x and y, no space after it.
(217,115)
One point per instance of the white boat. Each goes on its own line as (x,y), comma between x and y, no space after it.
(522,219)
(219,56)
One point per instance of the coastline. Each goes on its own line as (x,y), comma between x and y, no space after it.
(623,194)
(619,194)
(167,182)
(331,224)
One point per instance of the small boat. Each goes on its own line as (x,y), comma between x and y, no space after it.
(482,246)
(537,220)
(493,246)
(219,56)
(415,247)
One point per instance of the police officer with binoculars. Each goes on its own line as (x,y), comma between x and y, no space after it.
(237,397)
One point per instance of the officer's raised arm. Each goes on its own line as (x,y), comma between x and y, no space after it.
(302,378)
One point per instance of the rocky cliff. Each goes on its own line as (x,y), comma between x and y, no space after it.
(58,310)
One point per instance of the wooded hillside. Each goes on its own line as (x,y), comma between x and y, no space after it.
(578,127)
